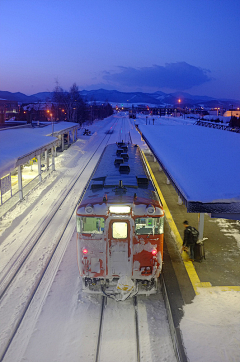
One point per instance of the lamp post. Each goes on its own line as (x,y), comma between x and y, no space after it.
(179,101)
(52,124)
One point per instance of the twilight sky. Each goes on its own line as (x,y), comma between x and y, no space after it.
(127,45)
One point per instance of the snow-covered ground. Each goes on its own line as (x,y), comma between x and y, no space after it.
(62,323)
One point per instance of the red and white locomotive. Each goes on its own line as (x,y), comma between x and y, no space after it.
(120,226)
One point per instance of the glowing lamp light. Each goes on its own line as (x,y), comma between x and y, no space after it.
(119,209)
(154,252)
(85,251)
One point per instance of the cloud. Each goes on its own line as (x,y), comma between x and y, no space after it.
(178,76)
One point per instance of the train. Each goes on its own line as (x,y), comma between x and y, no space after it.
(120,226)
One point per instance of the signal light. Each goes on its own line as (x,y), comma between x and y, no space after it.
(154,252)
(85,251)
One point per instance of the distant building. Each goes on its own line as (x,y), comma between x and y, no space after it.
(8,109)
(39,111)
(232,113)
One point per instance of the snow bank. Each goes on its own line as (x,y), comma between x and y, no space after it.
(211,326)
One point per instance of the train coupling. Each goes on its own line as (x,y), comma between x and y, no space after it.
(125,284)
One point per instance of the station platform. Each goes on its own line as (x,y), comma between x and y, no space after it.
(183,278)
(221,240)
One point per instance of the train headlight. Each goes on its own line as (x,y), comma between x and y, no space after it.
(150,209)
(119,209)
(154,252)
(89,209)
(85,251)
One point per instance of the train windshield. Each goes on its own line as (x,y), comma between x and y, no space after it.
(149,225)
(119,230)
(90,225)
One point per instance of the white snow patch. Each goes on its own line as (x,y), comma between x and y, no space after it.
(211,326)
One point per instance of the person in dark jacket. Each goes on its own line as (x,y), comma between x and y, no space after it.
(188,240)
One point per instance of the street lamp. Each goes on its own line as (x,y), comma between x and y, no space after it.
(52,124)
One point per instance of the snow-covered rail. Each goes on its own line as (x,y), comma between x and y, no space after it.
(100,328)
(27,268)
(59,319)
(107,330)
(134,330)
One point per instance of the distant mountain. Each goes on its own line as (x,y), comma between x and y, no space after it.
(19,97)
(159,98)
(43,96)
(182,95)
(102,95)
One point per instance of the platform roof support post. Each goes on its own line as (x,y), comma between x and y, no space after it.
(168,181)
(73,132)
(20,189)
(68,138)
(39,168)
(160,168)
(62,136)
(180,202)
(154,159)
(47,161)
(76,133)
(200,225)
(53,159)
(46,156)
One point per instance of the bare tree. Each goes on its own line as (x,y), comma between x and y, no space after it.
(70,104)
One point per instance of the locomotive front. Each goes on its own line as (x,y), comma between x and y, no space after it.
(120,229)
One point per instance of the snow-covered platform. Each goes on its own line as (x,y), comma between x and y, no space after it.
(22,144)
(204,297)
(201,164)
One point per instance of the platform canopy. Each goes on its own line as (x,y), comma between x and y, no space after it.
(202,164)
(19,145)
(57,128)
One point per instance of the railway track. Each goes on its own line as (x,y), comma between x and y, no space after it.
(24,274)
(134,322)
(47,272)
(145,334)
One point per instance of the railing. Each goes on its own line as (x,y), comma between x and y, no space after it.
(222,126)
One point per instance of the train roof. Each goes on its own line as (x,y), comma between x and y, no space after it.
(120,177)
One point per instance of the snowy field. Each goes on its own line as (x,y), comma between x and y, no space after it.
(62,323)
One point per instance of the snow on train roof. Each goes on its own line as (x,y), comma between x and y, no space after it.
(201,163)
(15,143)
(107,176)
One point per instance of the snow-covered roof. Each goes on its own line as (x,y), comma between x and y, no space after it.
(202,164)
(108,173)
(19,145)
(56,128)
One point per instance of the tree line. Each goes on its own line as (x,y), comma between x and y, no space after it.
(66,106)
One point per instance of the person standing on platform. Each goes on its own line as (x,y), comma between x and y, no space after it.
(188,240)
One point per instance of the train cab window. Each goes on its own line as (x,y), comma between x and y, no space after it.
(149,226)
(119,230)
(90,225)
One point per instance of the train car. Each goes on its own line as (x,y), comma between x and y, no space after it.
(120,223)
